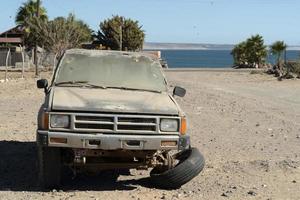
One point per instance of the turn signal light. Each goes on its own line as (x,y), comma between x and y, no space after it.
(183,126)
(45,121)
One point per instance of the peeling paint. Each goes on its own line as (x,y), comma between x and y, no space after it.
(112,100)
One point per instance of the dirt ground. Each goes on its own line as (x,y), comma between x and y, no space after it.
(247,126)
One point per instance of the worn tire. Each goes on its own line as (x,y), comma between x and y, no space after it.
(190,165)
(50,167)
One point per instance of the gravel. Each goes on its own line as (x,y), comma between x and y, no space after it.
(247,127)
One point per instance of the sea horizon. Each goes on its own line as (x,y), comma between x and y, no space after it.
(210,58)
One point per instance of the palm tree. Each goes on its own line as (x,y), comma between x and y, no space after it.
(25,13)
(256,50)
(29,10)
(251,52)
(239,54)
(277,48)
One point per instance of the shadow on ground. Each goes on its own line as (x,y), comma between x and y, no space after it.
(18,172)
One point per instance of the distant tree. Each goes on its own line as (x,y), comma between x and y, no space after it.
(79,27)
(239,54)
(29,10)
(86,31)
(256,50)
(121,33)
(251,52)
(278,48)
(24,14)
(60,34)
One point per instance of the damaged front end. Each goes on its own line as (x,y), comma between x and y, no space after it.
(93,161)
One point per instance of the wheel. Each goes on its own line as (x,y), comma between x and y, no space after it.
(191,163)
(49,160)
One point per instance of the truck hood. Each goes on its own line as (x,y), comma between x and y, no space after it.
(112,100)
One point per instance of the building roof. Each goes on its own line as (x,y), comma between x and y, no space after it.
(10,40)
(17,30)
(13,36)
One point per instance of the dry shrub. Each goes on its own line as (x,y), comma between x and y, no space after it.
(293,67)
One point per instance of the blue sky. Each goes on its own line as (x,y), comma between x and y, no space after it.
(184,21)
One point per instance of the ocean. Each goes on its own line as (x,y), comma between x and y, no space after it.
(209,58)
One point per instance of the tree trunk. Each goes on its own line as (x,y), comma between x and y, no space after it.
(36,45)
(278,59)
(54,63)
(35,59)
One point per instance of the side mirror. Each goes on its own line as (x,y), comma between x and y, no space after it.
(179,91)
(42,84)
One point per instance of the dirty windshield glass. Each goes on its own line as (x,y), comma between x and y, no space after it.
(112,70)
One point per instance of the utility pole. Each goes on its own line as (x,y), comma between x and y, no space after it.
(121,38)
(6,64)
(36,45)
(121,33)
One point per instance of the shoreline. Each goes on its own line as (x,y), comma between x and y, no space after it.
(208,69)
(177,69)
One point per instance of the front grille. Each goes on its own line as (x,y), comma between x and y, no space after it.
(94,126)
(136,120)
(136,128)
(115,123)
(95,118)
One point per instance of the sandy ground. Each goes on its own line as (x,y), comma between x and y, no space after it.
(247,126)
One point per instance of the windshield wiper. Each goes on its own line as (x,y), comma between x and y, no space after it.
(70,82)
(134,89)
(79,83)
(87,84)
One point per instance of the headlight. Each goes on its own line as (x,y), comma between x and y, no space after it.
(60,121)
(169,125)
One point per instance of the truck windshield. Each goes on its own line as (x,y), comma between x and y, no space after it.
(109,70)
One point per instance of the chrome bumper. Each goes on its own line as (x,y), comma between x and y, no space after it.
(112,141)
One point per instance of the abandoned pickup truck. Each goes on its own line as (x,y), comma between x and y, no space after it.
(110,111)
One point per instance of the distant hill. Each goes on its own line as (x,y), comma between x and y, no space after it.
(187,46)
(294,48)
(191,46)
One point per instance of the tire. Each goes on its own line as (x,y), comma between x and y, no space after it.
(191,163)
(49,160)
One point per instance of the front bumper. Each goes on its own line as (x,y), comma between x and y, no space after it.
(112,141)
